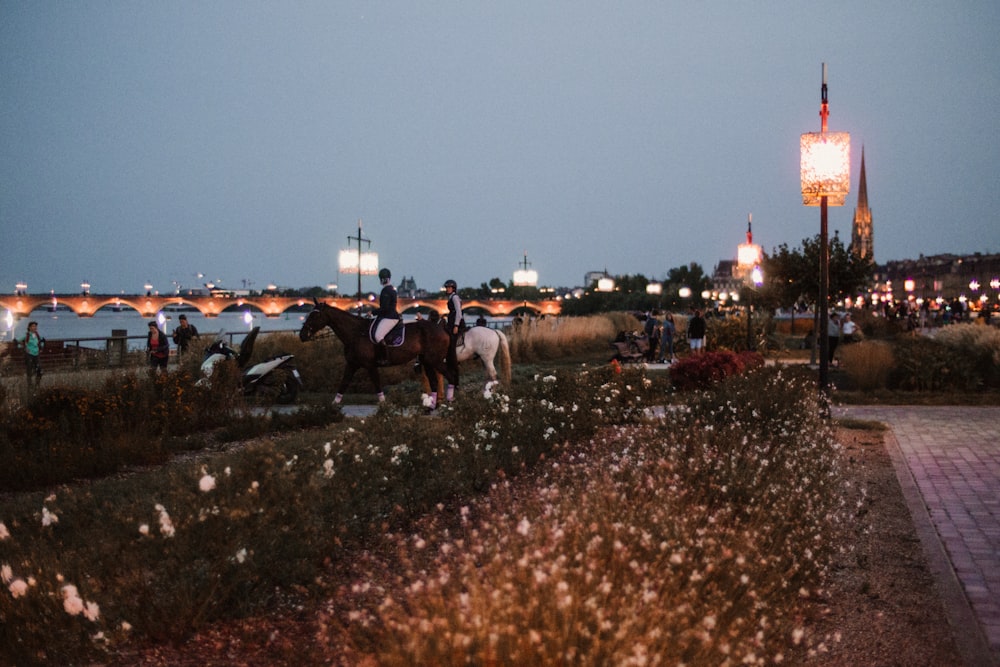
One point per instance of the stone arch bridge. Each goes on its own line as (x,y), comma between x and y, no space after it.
(271,306)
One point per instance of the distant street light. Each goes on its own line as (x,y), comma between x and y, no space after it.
(363,264)
(825,167)
(525,277)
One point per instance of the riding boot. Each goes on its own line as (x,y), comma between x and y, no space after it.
(381,354)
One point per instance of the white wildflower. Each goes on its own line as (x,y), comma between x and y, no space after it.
(72,602)
(524,527)
(144,529)
(91,611)
(18,588)
(6,573)
(206,483)
(328,468)
(4,533)
(241,555)
(48,518)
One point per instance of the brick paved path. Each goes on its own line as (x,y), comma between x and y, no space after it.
(948,463)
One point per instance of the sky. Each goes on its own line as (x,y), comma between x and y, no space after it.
(243,141)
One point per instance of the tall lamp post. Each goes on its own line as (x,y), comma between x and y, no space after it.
(748,261)
(363,264)
(826,179)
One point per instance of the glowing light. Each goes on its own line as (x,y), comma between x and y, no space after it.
(684,292)
(908,284)
(974,285)
(654,288)
(526,277)
(757,276)
(605,285)
(825,167)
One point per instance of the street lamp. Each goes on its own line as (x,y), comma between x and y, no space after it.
(825,167)
(756,280)
(525,277)
(21,288)
(363,264)
(747,260)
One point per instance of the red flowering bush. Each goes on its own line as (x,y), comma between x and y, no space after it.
(707,369)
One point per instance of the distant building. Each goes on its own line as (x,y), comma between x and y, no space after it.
(727,277)
(945,276)
(862,243)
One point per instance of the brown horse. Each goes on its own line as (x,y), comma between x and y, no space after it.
(423,340)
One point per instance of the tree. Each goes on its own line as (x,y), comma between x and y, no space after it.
(691,276)
(793,275)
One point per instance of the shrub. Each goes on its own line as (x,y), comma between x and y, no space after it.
(730,333)
(924,364)
(687,542)
(977,343)
(868,364)
(706,369)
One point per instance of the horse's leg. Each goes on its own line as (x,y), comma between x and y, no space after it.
(377,381)
(349,370)
(432,380)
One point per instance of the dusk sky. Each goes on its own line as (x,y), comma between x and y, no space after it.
(153,141)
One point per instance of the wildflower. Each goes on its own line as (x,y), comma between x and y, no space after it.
(328,468)
(144,529)
(166,525)
(72,602)
(228,471)
(18,588)
(524,527)
(91,611)
(241,555)
(48,518)
(6,573)
(4,533)
(549,378)
(206,483)
(126,626)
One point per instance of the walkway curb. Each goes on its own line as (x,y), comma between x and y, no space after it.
(965,628)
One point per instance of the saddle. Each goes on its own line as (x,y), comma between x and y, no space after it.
(394,338)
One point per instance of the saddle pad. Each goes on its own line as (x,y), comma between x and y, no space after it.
(395,337)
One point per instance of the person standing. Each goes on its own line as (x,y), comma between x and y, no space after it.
(183,334)
(652,330)
(833,331)
(455,324)
(696,332)
(33,344)
(157,346)
(667,339)
(387,316)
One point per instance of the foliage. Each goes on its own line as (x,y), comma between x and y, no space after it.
(686,541)
(793,275)
(868,363)
(707,369)
(924,364)
(730,333)
(556,338)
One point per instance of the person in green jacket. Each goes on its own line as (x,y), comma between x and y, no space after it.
(32,343)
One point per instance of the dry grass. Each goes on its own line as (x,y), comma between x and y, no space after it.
(867,364)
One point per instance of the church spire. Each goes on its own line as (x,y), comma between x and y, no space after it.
(861,231)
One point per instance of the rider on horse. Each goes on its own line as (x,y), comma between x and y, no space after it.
(455,325)
(387,316)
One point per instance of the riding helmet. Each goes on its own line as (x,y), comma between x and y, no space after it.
(451,283)
(384,275)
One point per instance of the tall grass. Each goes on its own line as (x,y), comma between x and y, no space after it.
(868,363)
(556,338)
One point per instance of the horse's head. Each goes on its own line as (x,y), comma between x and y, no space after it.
(315,321)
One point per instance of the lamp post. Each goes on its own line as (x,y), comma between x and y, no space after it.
(747,261)
(361,263)
(525,277)
(826,179)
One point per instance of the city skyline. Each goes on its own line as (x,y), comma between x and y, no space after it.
(244,141)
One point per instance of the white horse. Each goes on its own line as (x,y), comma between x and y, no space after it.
(486,343)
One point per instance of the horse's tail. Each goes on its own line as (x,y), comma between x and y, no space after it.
(504,358)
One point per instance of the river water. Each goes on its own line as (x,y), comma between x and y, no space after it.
(66,325)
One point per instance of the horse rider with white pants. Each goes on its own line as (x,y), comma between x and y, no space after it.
(388,316)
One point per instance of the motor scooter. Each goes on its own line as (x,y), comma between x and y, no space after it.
(276,378)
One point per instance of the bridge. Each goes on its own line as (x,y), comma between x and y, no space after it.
(21,305)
